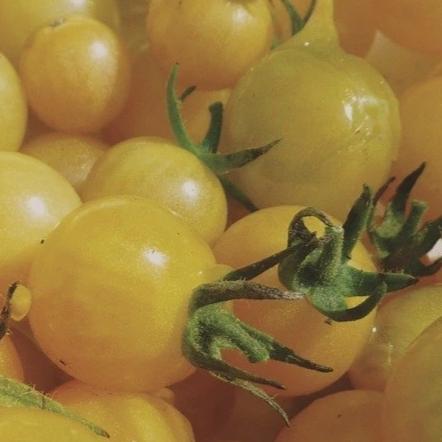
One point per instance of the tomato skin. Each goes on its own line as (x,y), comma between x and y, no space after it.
(126,417)
(33,198)
(80,93)
(148,92)
(157,169)
(397,324)
(412,406)
(414,24)
(337,120)
(10,364)
(420,110)
(111,287)
(71,156)
(215,51)
(32,424)
(347,416)
(14,109)
(21,18)
(295,324)
(205,401)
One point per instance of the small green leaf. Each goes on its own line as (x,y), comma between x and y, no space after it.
(16,394)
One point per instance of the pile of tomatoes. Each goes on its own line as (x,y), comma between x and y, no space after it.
(189,195)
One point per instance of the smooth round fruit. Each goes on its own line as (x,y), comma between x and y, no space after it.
(76,74)
(157,169)
(126,417)
(414,24)
(296,324)
(71,156)
(398,323)
(420,109)
(145,112)
(32,424)
(216,50)
(13,107)
(348,416)
(111,287)
(33,200)
(413,406)
(19,19)
(337,120)
(10,364)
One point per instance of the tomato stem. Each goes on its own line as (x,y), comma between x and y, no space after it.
(400,238)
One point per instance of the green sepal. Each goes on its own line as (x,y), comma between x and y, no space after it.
(400,237)
(297,22)
(211,329)
(318,266)
(5,312)
(16,394)
(207,150)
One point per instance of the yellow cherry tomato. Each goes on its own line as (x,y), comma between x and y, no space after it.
(348,416)
(111,287)
(397,324)
(400,66)
(205,401)
(13,107)
(71,156)
(83,91)
(420,107)
(145,111)
(298,325)
(216,49)
(126,417)
(157,169)
(19,19)
(32,424)
(336,117)
(414,24)
(413,405)
(38,370)
(10,363)
(34,198)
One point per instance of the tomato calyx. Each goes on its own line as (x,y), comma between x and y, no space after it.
(207,149)
(16,394)
(211,329)
(318,266)
(400,238)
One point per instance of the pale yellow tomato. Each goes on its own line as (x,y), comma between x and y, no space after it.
(420,107)
(32,424)
(145,111)
(13,107)
(33,200)
(348,416)
(296,324)
(80,92)
(157,169)
(413,397)
(216,49)
(10,364)
(397,324)
(71,156)
(19,19)
(111,287)
(126,417)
